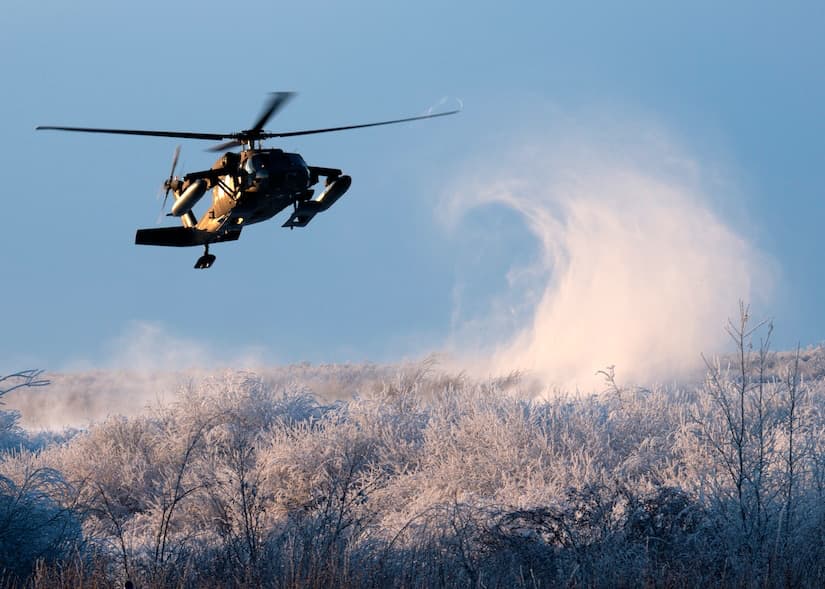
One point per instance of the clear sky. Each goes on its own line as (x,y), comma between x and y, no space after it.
(737,89)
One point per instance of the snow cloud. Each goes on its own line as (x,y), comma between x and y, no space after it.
(141,367)
(633,266)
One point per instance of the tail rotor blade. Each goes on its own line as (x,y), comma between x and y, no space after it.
(174,161)
(168,183)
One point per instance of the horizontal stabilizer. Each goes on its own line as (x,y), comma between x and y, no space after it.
(181,236)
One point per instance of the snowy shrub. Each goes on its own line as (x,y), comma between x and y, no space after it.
(33,524)
(425,479)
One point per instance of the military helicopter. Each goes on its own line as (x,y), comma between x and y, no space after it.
(248,187)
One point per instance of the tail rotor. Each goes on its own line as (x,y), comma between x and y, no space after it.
(169,182)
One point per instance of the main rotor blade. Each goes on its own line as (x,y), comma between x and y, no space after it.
(276,103)
(240,138)
(266,135)
(181,134)
(225,146)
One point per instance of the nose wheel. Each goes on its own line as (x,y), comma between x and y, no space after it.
(206,260)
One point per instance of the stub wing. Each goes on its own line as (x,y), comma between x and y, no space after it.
(182,236)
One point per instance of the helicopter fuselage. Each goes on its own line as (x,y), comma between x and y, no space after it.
(247,187)
(254,186)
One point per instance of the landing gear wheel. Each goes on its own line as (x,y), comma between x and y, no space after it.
(206,260)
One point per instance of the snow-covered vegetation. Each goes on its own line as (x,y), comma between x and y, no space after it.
(427,479)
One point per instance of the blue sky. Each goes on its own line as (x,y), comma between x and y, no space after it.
(738,86)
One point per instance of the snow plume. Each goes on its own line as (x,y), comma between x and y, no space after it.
(148,364)
(141,367)
(634,268)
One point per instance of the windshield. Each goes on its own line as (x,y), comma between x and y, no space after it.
(286,170)
(296,160)
(264,165)
(258,166)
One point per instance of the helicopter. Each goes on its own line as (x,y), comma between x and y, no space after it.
(248,186)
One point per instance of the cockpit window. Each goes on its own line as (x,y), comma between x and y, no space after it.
(273,166)
(296,160)
(258,166)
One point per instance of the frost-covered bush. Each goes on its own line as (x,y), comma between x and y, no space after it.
(12,436)
(35,522)
(423,479)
